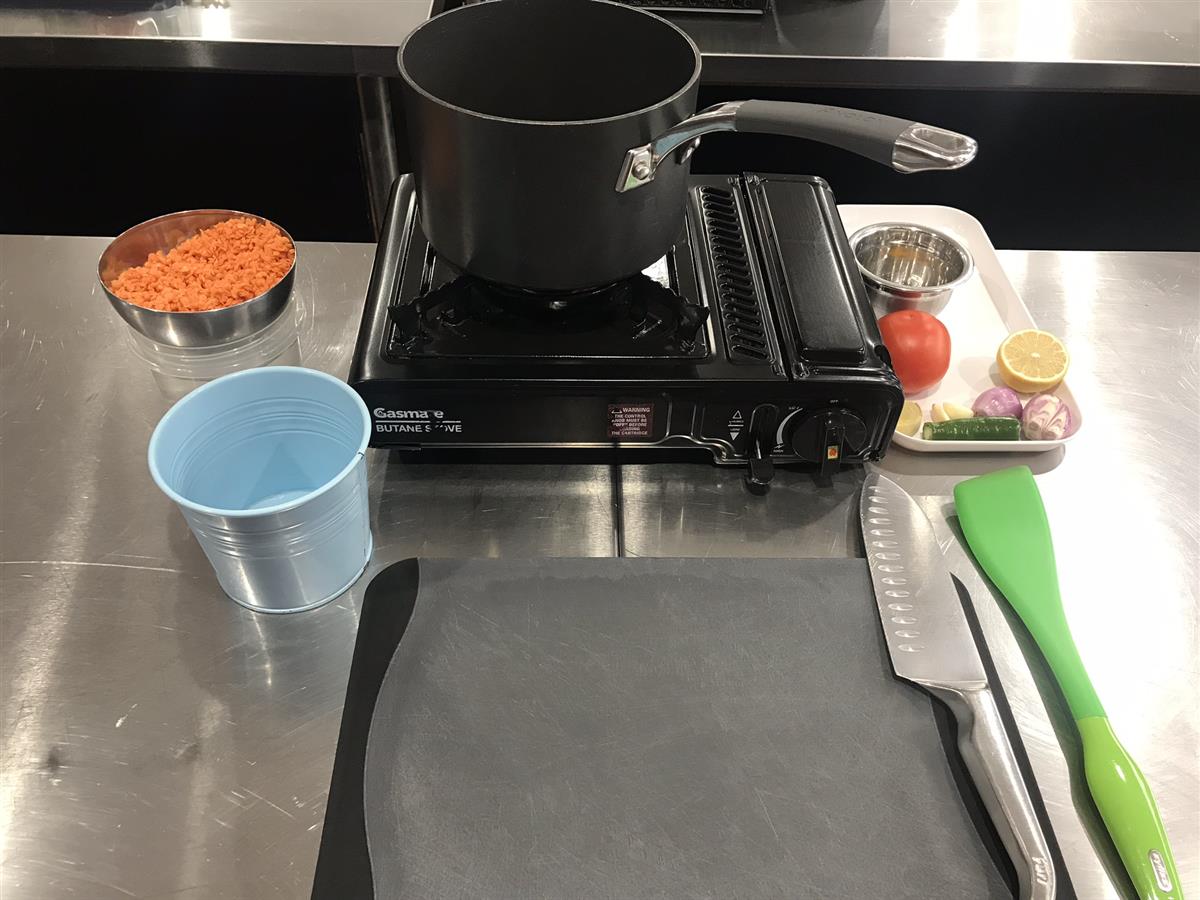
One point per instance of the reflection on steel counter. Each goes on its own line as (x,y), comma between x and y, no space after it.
(1090,45)
(199,737)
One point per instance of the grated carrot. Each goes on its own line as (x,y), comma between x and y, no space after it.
(220,266)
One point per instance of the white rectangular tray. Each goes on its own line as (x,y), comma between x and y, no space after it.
(980,314)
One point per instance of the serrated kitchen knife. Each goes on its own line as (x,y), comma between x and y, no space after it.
(931,645)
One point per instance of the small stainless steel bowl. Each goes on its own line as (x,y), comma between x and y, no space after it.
(908,266)
(189,329)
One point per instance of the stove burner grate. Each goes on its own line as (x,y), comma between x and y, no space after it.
(638,318)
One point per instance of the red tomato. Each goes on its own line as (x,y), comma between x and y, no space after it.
(919,346)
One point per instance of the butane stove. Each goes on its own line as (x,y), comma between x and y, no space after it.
(752,339)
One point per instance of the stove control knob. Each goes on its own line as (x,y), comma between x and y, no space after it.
(760,469)
(828,436)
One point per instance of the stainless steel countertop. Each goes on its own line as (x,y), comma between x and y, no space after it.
(1060,45)
(159,741)
(323,37)
(1093,45)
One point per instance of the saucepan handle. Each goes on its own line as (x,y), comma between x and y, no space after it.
(899,143)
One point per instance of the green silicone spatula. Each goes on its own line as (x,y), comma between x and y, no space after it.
(1004,522)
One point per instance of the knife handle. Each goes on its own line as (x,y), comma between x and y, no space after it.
(983,744)
(1129,811)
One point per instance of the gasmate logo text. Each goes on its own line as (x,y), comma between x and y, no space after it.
(416,421)
(408,414)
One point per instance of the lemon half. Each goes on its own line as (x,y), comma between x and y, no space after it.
(910,419)
(1032,361)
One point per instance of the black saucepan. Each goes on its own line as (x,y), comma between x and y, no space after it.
(551,138)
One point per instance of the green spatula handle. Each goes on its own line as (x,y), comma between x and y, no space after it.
(1129,811)
(1004,520)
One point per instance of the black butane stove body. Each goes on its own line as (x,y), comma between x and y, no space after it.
(753,339)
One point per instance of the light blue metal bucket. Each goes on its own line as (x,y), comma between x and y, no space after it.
(268,467)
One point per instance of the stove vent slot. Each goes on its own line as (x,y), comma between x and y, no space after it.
(737,297)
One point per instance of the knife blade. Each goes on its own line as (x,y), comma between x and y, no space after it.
(931,645)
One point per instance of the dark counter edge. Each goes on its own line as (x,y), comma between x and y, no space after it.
(190,54)
(343,861)
(41,51)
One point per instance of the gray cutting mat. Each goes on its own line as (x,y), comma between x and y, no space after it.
(630,728)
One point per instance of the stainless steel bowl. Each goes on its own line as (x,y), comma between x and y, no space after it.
(189,329)
(908,266)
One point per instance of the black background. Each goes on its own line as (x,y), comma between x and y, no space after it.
(93,152)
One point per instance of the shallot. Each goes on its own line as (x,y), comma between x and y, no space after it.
(1046,418)
(998,401)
